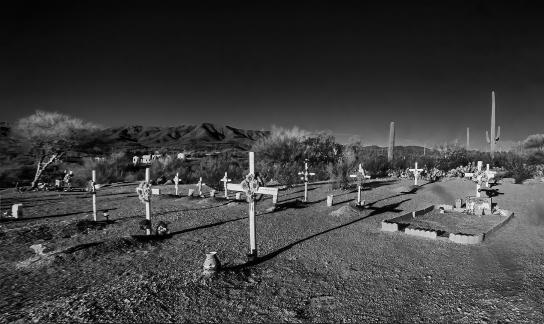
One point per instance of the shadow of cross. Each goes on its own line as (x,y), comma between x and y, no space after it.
(250,186)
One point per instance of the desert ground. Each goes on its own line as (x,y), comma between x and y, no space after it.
(317,263)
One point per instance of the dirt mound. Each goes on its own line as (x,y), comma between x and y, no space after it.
(342,212)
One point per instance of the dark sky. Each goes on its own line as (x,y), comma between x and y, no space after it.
(429,66)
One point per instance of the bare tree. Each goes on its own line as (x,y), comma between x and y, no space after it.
(49,135)
(535,141)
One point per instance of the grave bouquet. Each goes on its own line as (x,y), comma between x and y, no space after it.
(144,191)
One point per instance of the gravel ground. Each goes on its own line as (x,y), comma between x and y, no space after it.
(317,263)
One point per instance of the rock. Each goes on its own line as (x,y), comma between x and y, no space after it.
(40,249)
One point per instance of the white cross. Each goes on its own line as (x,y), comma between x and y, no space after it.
(490,175)
(361,174)
(416,172)
(250,187)
(304,178)
(200,184)
(225,180)
(93,191)
(478,178)
(176,181)
(148,203)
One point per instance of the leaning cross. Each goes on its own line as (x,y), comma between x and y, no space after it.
(250,186)
(361,176)
(304,177)
(225,180)
(416,172)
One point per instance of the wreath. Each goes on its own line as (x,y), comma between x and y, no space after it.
(480,176)
(250,185)
(144,191)
(91,187)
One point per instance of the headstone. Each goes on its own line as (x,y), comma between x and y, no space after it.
(17,211)
(155,191)
(458,203)
(238,196)
(329,200)
(191,192)
(200,184)
(212,193)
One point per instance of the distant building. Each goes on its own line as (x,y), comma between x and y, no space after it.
(146,159)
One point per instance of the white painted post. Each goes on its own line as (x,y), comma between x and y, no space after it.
(329,200)
(176,180)
(94,194)
(148,203)
(200,183)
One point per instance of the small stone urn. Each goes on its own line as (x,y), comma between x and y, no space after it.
(211,264)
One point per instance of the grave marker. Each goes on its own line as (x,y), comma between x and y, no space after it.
(304,177)
(144,194)
(93,191)
(361,176)
(200,184)
(17,211)
(176,182)
(478,179)
(489,175)
(250,186)
(225,181)
(416,172)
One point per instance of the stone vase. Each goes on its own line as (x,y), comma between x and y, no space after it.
(211,264)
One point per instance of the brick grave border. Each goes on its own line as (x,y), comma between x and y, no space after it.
(397,225)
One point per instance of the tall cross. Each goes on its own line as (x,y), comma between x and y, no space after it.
(148,202)
(225,180)
(93,191)
(361,176)
(416,172)
(200,184)
(176,181)
(250,186)
(304,178)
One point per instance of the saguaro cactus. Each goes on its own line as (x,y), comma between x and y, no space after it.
(468,138)
(391,142)
(494,137)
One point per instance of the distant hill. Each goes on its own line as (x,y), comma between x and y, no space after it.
(204,137)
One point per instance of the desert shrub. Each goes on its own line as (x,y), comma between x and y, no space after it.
(281,155)
(213,169)
(518,169)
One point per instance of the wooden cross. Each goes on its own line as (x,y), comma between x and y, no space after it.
(361,175)
(416,172)
(93,191)
(148,202)
(304,177)
(490,175)
(176,181)
(225,180)
(200,184)
(250,186)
